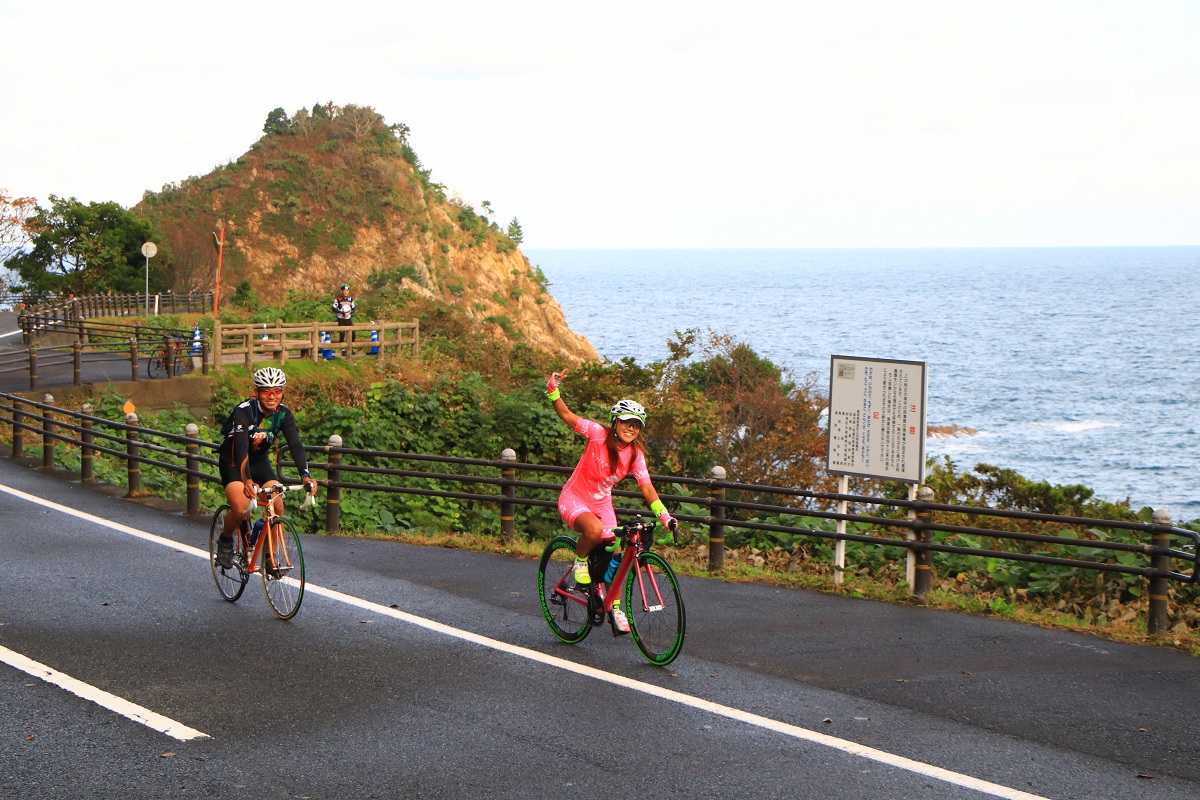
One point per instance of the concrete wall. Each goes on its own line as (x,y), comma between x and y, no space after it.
(193,391)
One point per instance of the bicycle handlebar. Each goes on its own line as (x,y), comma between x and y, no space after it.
(646,527)
(269,492)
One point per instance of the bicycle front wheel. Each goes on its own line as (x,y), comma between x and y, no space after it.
(155,367)
(564,605)
(283,569)
(655,609)
(231,581)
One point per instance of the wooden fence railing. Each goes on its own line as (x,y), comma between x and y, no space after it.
(281,341)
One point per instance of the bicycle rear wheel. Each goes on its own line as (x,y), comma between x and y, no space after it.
(231,581)
(155,367)
(284,585)
(654,606)
(564,605)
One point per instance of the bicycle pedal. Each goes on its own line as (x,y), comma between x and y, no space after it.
(615,630)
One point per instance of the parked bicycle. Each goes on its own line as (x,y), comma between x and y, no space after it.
(276,556)
(169,357)
(652,599)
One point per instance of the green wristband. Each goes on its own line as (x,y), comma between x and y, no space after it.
(552,396)
(657,507)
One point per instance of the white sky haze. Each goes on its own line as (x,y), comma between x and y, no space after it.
(654,124)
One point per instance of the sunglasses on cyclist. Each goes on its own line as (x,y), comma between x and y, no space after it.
(271,392)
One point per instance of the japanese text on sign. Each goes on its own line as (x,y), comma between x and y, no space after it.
(877,418)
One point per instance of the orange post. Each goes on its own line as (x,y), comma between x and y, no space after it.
(220,252)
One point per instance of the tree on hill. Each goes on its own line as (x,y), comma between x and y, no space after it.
(15,214)
(88,248)
(277,123)
(514,231)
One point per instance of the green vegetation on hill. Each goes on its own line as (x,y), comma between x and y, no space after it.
(312,186)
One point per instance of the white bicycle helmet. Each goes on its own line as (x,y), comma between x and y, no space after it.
(270,378)
(628,409)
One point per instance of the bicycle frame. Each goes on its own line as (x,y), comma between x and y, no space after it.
(630,539)
(276,555)
(168,356)
(270,530)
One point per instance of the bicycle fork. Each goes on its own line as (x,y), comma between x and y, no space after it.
(645,576)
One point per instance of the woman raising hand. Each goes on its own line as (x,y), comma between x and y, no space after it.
(585,503)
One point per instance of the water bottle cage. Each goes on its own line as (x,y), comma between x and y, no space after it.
(614,565)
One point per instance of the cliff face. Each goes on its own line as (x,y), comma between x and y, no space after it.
(337,196)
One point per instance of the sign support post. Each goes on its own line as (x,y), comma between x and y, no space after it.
(877,413)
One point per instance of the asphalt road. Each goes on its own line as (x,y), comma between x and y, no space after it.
(426,672)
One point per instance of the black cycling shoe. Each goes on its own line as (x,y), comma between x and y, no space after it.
(225,552)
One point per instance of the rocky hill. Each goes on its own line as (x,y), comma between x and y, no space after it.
(335,195)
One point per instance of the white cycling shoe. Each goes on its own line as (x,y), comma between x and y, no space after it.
(620,623)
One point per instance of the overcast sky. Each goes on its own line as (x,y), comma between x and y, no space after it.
(654,123)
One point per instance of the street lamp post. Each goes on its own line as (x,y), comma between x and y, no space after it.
(149,250)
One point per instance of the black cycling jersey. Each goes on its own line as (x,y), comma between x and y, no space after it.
(238,452)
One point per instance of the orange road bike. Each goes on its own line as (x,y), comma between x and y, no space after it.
(652,600)
(275,554)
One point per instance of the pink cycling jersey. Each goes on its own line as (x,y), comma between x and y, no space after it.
(590,486)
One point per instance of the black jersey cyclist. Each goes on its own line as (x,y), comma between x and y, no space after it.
(251,434)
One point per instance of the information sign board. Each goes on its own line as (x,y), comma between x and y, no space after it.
(877,418)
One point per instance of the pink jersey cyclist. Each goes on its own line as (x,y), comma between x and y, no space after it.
(586,500)
(590,486)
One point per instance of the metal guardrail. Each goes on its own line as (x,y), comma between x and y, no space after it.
(1166,545)
(95,342)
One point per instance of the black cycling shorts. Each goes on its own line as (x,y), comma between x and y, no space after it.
(260,472)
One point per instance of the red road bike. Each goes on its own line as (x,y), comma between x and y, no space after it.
(652,600)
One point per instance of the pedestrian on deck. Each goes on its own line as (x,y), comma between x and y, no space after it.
(343,307)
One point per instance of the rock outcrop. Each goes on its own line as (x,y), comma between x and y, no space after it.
(337,196)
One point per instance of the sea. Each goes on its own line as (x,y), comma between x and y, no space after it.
(1072,365)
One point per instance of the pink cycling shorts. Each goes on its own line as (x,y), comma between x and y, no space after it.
(570,506)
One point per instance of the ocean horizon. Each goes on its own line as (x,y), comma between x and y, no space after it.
(1073,365)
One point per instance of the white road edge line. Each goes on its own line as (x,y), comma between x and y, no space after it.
(729,712)
(125,708)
